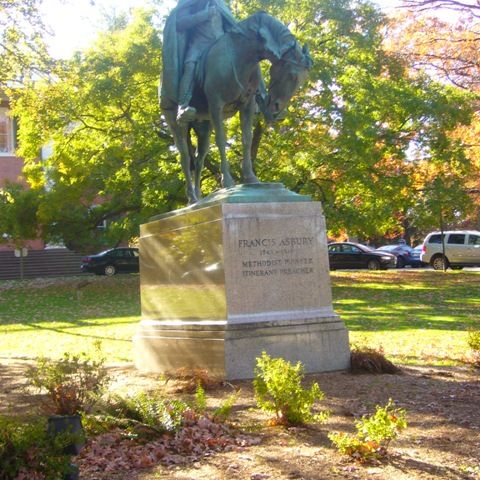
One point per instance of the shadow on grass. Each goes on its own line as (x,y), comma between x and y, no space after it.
(24,327)
(67,332)
(392,304)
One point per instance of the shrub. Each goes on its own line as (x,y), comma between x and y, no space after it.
(374,433)
(474,344)
(200,399)
(222,412)
(278,389)
(474,340)
(28,452)
(72,383)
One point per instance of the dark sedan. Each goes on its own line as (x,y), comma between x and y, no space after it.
(110,262)
(404,254)
(355,255)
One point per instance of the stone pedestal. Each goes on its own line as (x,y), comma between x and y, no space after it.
(234,276)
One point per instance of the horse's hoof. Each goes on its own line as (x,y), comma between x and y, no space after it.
(227,182)
(251,179)
(191,198)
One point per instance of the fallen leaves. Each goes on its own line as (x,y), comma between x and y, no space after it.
(202,436)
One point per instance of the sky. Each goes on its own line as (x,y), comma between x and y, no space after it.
(73,23)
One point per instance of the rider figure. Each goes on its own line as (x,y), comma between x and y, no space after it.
(198,24)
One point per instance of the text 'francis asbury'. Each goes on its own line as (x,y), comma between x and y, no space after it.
(274,242)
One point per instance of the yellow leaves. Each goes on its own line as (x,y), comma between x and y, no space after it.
(445,50)
(6,196)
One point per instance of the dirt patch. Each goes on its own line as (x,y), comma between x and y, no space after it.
(442,439)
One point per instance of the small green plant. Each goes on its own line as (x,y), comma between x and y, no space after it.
(473,341)
(222,412)
(374,433)
(28,452)
(200,399)
(149,412)
(72,383)
(278,389)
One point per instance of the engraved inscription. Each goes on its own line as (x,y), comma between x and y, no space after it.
(276,256)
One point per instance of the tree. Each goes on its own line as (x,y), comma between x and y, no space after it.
(356,137)
(18,215)
(447,51)
(365,124)
(110,156)
(22,48)
(470,7)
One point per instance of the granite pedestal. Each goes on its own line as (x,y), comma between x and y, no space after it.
(242,272)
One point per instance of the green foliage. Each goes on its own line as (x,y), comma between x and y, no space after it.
(72,383)
(18,214)
(474,340)
(278,389)
(102,120)
(222,412)
(200,399)
(22,48)
(27,450)
(365,136)
(148,414)
(149,410)
(374,433)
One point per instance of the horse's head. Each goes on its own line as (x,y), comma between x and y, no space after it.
(286,76)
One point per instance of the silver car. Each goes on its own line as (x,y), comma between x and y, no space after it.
(462,249)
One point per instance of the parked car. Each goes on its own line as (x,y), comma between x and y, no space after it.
(110,262)
(462,249)
(402,251)
(355,255)
(415,260)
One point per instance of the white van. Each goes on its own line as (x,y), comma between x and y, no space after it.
(462,249)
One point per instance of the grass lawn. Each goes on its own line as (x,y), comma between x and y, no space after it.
(419,317)
(50,316)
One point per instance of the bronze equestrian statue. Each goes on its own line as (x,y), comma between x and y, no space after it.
(211,71)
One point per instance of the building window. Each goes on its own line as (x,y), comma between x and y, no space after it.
(6,133)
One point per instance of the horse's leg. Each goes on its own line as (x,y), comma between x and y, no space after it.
(180,137)
(202,129)
(216,113)
(182,146)
(247,111)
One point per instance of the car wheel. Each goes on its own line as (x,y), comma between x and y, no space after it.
(110,270)
(401,262)
(373,265)
(439,262)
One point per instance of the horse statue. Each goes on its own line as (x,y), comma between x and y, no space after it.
(231,80)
